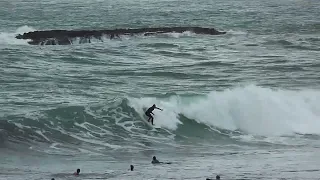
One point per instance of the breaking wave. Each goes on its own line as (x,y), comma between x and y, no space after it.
(252,109)
(117,124)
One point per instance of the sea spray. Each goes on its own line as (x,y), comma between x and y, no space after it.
(8,38)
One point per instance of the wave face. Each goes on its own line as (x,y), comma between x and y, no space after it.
(229,115)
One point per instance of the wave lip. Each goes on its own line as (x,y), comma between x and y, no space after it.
(64,37)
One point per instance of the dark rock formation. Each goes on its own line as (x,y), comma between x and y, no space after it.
(64,37)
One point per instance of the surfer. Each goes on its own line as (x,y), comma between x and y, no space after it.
(156,161)
(77,173)
(149,112)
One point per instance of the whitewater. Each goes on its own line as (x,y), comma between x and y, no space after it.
(242,105)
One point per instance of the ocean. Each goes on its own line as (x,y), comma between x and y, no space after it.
(241,105)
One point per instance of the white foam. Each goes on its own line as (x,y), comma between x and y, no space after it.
(252,109)
(24,29)
(97,142)
(179,35)
(236,32)
(87,126)
(8,38)
(41,134)
(85,151)
(54,145)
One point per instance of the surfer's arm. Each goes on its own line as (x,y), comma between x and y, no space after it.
(159,108)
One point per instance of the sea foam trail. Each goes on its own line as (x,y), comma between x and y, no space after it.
(251,109)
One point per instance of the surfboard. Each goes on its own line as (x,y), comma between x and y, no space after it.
(150,125)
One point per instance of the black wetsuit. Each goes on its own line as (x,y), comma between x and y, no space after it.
(149,111)
(155,161)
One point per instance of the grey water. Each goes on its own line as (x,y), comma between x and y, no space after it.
(243,105)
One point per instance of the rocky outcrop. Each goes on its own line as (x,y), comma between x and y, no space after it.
(64,37)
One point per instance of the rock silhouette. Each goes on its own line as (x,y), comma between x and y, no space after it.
(64,37)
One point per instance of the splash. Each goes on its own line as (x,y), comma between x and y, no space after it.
(8,38)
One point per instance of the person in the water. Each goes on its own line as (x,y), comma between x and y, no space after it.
(77,173)
(149,112)
(217,178)
(156,161)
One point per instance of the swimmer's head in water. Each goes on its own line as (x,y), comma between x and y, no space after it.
(77,173)
(131,167)
(154,158)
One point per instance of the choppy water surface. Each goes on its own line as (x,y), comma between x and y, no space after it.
(244,105)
